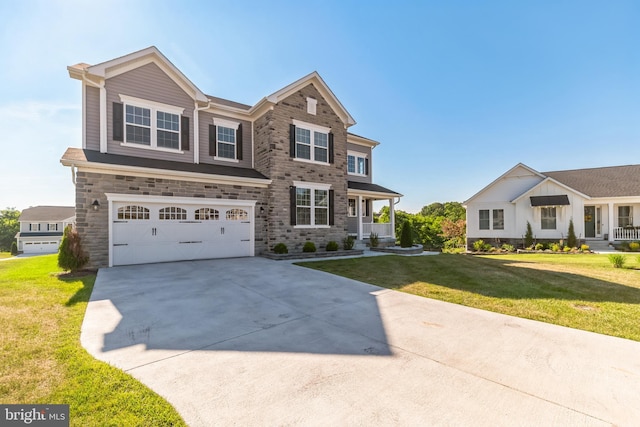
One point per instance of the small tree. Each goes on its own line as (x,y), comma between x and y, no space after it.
(14,248)
(528,236)
(71,257)
(406,240)
(571,237)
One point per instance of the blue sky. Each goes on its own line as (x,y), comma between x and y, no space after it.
(457,92)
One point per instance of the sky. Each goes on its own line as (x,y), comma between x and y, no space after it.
(457,92)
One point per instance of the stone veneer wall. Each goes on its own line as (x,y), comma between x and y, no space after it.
(93,225)
(271,133)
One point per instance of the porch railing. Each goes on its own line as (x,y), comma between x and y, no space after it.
(381,229)
(626,233)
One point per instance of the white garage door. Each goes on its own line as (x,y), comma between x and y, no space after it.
(169,231)
(40,247)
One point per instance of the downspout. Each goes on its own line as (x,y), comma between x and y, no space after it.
(73,174)
(196,131)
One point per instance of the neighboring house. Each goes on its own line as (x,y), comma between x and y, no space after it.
(41,228)
(168,173)
(600,201)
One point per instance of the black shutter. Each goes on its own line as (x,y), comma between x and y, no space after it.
(331,210)
(184,132)
(212,140)
(330,147)
(366,208)
(292,204)
(366,166)
(292,140)
(239,142)
(118,122)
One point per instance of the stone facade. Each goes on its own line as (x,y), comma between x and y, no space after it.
(92,225)
(272,151)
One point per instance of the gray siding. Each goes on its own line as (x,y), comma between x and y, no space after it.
(148,82)
(368,152)
(92,104)
(206,119)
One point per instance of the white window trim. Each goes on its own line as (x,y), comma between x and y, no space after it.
(231,125)
(154,107)
(312,128)
(55,226)
(31,224)
(314,186)
(555,217)
(357,154)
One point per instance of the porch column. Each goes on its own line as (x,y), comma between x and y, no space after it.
(610,221)
(392,218)
(359,213)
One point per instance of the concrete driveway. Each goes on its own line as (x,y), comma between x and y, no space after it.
(257,342)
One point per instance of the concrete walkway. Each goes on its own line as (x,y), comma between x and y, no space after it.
(258,342)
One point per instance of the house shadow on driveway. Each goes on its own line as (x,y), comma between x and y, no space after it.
(241,304)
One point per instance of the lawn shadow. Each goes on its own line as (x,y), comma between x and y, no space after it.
(84,293)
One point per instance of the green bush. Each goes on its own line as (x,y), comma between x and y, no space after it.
(14,248)
(634,246)
(584,248)
(478,245)
(539,247)
(332,246)
(406,239)
(71,257)
(280,248)
(348,242)
(374,240)
(625,246)
(509,248)
(571,236)
(617,260)
(555,247)
(309,247)
(528,237)
(567,249)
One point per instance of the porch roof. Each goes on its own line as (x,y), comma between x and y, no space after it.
(559,200)
(369,189)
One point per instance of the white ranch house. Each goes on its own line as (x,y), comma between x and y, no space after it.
(600,201)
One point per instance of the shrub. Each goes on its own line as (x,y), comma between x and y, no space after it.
(14,248)
(406,240)
(617,260)
(348,242)
(634,246)
(71,257)
(584,248)
(571,236)
(624,246)
(478,245)
(528,236)
(280,248)
(309,247)
(539,247)
(332,246)
(567,249)
(374,240)
(509,248)
(555,247)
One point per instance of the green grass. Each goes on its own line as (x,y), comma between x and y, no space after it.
(5,255)
(578,291)
(42,361)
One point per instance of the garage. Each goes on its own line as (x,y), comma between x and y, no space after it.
(162,229)
(40,247)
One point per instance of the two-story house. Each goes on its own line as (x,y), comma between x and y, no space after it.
(167,173)
(41,228)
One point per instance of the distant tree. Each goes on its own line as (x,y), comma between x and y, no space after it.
(528,236)
(9,227)
(455,211)
(454,232)
(434,209)
(571,236)
(14,248)
(406,238)
(71,257)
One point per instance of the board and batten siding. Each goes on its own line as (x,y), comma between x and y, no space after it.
(92,105)
(205,120)
(148,82)
(365,150)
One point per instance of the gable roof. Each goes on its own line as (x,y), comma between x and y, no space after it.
(519,165)
(613,181)
(48,213)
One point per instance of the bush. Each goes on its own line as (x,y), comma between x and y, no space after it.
(71,257)
(280,248)
(539,247)
(571,236)
(617,260)
(625,246)
(332,246)
(406,240)
(567,249)
(374,240)
(348,242)
(555,247)
(309,247)
(14,248)
(509,248)
(634,246)
(478,245)
(528,236)
(584,248)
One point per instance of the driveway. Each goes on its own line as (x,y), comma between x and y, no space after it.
(251,341)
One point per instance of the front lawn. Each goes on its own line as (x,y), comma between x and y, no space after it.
(42,361)
(579,291)
(5,255)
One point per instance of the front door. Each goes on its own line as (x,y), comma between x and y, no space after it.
(589,221)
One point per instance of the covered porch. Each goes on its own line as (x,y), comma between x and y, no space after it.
(612,220)
(360,219)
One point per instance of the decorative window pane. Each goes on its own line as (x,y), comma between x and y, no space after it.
(625,218)
(138,127)
(498,219)
(205,214)
(351,211)
(168,130)
(351,164)
(168,121)
(548,218)
(133,212)
(173,213)
(226,142)
(483,215)
(237,214)
(303,143)
(321,144)
(303,206)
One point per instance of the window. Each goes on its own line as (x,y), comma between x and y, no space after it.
(483,214)
(226,142)
(237,214)
(625,216)
(498,219)
(173,212)
(312,206)
(351,211)
(34,227)
(357,164)
(205,214)
(133,212)
(52,227)
(311,142)
(548,218)
(151,124)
